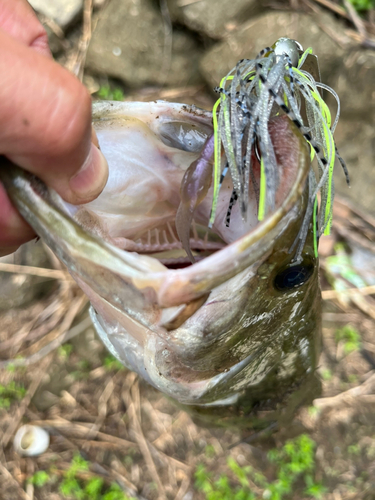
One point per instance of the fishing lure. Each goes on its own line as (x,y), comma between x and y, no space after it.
(275,82)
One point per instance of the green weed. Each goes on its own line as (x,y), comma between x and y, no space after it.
(111,363)
(65,351)
(40,478)
(294,461)
(92,489)
(313,411)
(10,393)
(209,451)
(350,337)
(326,374)
(354,449)
(83,370)
(362,5)
(107,93)
(15,367)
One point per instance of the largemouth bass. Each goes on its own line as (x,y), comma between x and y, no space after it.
(239,330)
(213,302)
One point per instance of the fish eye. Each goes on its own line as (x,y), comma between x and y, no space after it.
(183,136)
(294,275)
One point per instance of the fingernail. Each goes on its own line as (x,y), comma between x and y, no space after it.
(89,182)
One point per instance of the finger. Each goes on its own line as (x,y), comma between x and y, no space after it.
(47,113)
(13,228)
(18,19)
(7,251)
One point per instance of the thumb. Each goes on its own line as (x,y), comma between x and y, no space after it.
(47,117)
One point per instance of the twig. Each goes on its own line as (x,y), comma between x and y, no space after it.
(61,339)
(65,325)
(364,38)
(16,339)
(369,347)
(177,463)
(102,408)
(346,204)
(81,428)
(357,21)
(54,27)
(365,389)
(256,435)
(74,308)
(334,7)
(30,469)
(364,305)
(103,445)
(168,38)
(339,39)
(185,3)
(45,321)
(6,473)
(78,63)
(338,317)
(333,294)
(185,483)
(142,443)
(367,43)
(350,14)
(119,471)
(35,271)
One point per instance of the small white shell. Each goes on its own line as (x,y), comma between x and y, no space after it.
(31,440)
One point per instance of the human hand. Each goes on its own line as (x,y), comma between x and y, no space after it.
(45,116)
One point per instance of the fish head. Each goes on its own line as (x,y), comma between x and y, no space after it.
(244,317)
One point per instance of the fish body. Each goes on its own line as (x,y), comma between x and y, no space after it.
(239,330)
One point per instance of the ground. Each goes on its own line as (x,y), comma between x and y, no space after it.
(106,424)
(114,437)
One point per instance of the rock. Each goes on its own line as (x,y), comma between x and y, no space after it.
(355,139)
(213,17)
(263,31)
(63,12)
(129,42)
(355,135)
(17,290)
(355,85)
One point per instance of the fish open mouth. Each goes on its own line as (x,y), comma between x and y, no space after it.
(243,317)
(149,148)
